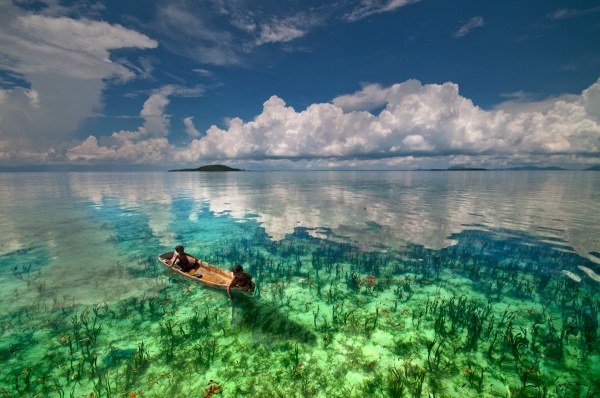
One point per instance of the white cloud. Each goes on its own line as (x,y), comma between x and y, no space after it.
(144,67)
(147,144)
(203,72)
(34,98)
(189,127)
(94,38)
(129,152)
(36,44)
(425,120)
(416,143)
(50,116)
(187,29)
(419,123)
(565,13)
(65,63)
(156,121)
(367,8)
(279,33)
(520,102)
(465,29)
(370,97)
(284,30)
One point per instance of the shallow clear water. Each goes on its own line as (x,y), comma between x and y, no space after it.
(370,284)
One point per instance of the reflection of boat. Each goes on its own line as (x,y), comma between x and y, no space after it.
(210,275)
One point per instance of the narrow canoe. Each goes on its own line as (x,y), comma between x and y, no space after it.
(211,276)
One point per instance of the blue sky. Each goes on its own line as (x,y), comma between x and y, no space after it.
(362,84)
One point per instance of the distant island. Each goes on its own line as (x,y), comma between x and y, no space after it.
(220,167)
(212,167)
(521,168)
(460,168)
(550,168)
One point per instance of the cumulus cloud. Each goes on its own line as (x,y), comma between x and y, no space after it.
(521,101)
(370,97)
(429,120)
(147,144)
(190,129)
(28,116)
(64,64)
(129,152)
(465,29)
(419,122)
(156,121)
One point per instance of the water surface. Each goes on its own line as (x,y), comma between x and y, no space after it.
(369,284)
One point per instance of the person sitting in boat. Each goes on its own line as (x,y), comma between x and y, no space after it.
(181,259)
(241,281)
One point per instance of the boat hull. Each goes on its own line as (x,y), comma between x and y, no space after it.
(212,276)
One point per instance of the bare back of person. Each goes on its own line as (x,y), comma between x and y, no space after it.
(184,262)
(241,280)
(181,259)
(244,281)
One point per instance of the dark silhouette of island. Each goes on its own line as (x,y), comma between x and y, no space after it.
(550,168)
(220,167)
(460,168)
(212,167)
(521,168)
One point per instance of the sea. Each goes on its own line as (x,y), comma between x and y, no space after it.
(368,284)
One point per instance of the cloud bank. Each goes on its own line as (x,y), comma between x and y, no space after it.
(60,66)
(425,120)
(64,64)
(417,121)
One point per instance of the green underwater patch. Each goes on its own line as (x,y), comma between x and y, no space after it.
(493,315)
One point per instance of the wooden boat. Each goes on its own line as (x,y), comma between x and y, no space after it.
(210,275)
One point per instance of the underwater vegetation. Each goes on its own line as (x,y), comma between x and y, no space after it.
(493,315)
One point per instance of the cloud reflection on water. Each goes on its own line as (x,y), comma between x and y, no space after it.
(53,214)
(419,207)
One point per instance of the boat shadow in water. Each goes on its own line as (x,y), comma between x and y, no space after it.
(268,323)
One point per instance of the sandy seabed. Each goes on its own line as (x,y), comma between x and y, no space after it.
(494,315)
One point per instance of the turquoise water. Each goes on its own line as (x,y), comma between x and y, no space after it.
(369,284)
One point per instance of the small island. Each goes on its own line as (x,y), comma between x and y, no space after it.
(212,167)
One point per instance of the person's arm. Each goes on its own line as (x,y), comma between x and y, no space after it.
(232,284)
(173,259)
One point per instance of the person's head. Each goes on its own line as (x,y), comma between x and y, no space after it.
(179,249)
(237,269)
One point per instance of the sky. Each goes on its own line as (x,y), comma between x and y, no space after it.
(298,84)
